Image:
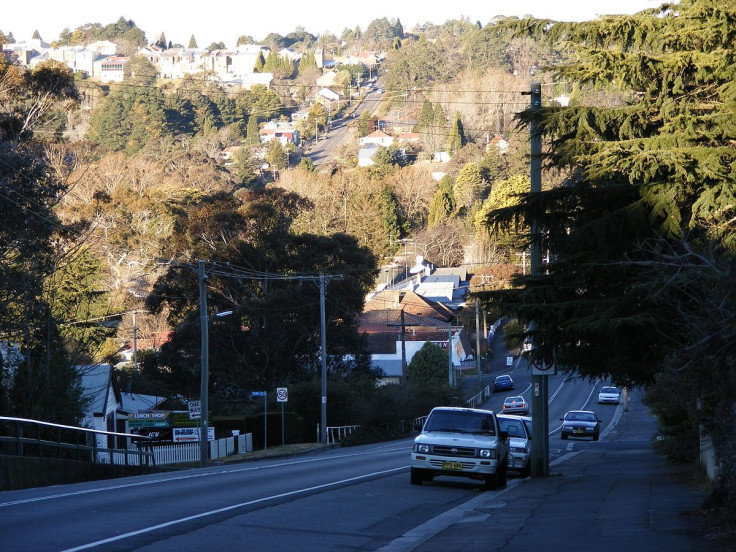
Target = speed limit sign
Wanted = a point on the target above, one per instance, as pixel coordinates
(282, 394)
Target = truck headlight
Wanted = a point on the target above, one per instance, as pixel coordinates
(424, 449)
(487, 453)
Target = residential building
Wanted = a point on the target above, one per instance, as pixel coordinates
(280, 130)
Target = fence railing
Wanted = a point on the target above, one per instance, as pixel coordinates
(480, 397)
(34, 438)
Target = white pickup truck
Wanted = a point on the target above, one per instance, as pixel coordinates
(464, 442)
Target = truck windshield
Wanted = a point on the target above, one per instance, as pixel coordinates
(460, 422)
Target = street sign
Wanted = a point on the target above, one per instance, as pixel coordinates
(536, 389)
(509, 360)
(257, 393)
(539, 368)
(282, 394)
(195, 410)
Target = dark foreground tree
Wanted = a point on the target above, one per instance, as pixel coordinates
(641, 236)
(269, 277)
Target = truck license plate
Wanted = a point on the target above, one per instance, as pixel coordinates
(452, 465)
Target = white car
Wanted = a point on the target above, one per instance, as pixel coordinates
(609, 395)
(465, 442)
(520, 446)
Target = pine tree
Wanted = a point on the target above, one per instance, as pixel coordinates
(192, 42)
(456, 139)
(252, 136)
(443, 204)
(641, 236)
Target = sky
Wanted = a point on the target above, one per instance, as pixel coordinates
(225, 21)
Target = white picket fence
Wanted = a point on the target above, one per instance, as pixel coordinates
(182, 453)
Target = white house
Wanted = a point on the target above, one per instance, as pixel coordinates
(377, 138)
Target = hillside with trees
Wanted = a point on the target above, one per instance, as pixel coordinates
(636, 212)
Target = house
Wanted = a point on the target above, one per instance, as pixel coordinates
(377, 138)
(227, 154)
(365, 155)
(327, 79)
(422, 320)
(279, 130)
(409, 138)
(110, 69)
(107, 407)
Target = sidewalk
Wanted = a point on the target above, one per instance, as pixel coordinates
(614, 495)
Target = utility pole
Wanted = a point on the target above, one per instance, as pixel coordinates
(403, 347)
(323, 281)
(135, 345)
(477, 341)
(204, 361)
(323, 354)
(451, 366)
(540, 407)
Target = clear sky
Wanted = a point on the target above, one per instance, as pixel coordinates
(225, 21)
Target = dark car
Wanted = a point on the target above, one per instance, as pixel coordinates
(503, 383)
(581, 423)
(515, 405)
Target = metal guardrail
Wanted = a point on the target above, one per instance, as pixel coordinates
(34, 438)
(480, 397)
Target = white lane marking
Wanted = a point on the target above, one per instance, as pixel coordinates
(393, 447)
(592, 390)
(228, 508)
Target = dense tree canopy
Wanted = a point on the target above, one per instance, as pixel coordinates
(641, 236)
(267, 275)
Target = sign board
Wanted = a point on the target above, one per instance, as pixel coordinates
(536, 389)
(509, 360)
(195, 410)
(539, 368)
(257, 393)
(190, 434)
(149, 419)
(282, 394)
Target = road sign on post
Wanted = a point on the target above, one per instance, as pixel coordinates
(195, 410)
(540, 368)
(282, 396)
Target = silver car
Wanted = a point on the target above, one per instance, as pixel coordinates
(520, 446)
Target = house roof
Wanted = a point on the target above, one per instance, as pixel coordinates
(135, 403)
(98, 386)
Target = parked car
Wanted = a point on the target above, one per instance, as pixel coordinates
(581, 423)
(464, 442)
(609, 395)
(520, 446)
(515, 405)
(503, 383)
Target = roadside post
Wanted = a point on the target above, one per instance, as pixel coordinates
(540, 406)
(265, 415)
(282, 396)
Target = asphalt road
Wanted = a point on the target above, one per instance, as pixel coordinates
(610, 492)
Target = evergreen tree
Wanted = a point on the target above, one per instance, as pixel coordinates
(443, 204)
(641, 235)
(389, 212)
(469, 186)
(252, 135)
(456, 139)
(428, 367)
(192, 42)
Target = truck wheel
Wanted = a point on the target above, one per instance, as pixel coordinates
(417, 476)
(502, 474)
(490, 483)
